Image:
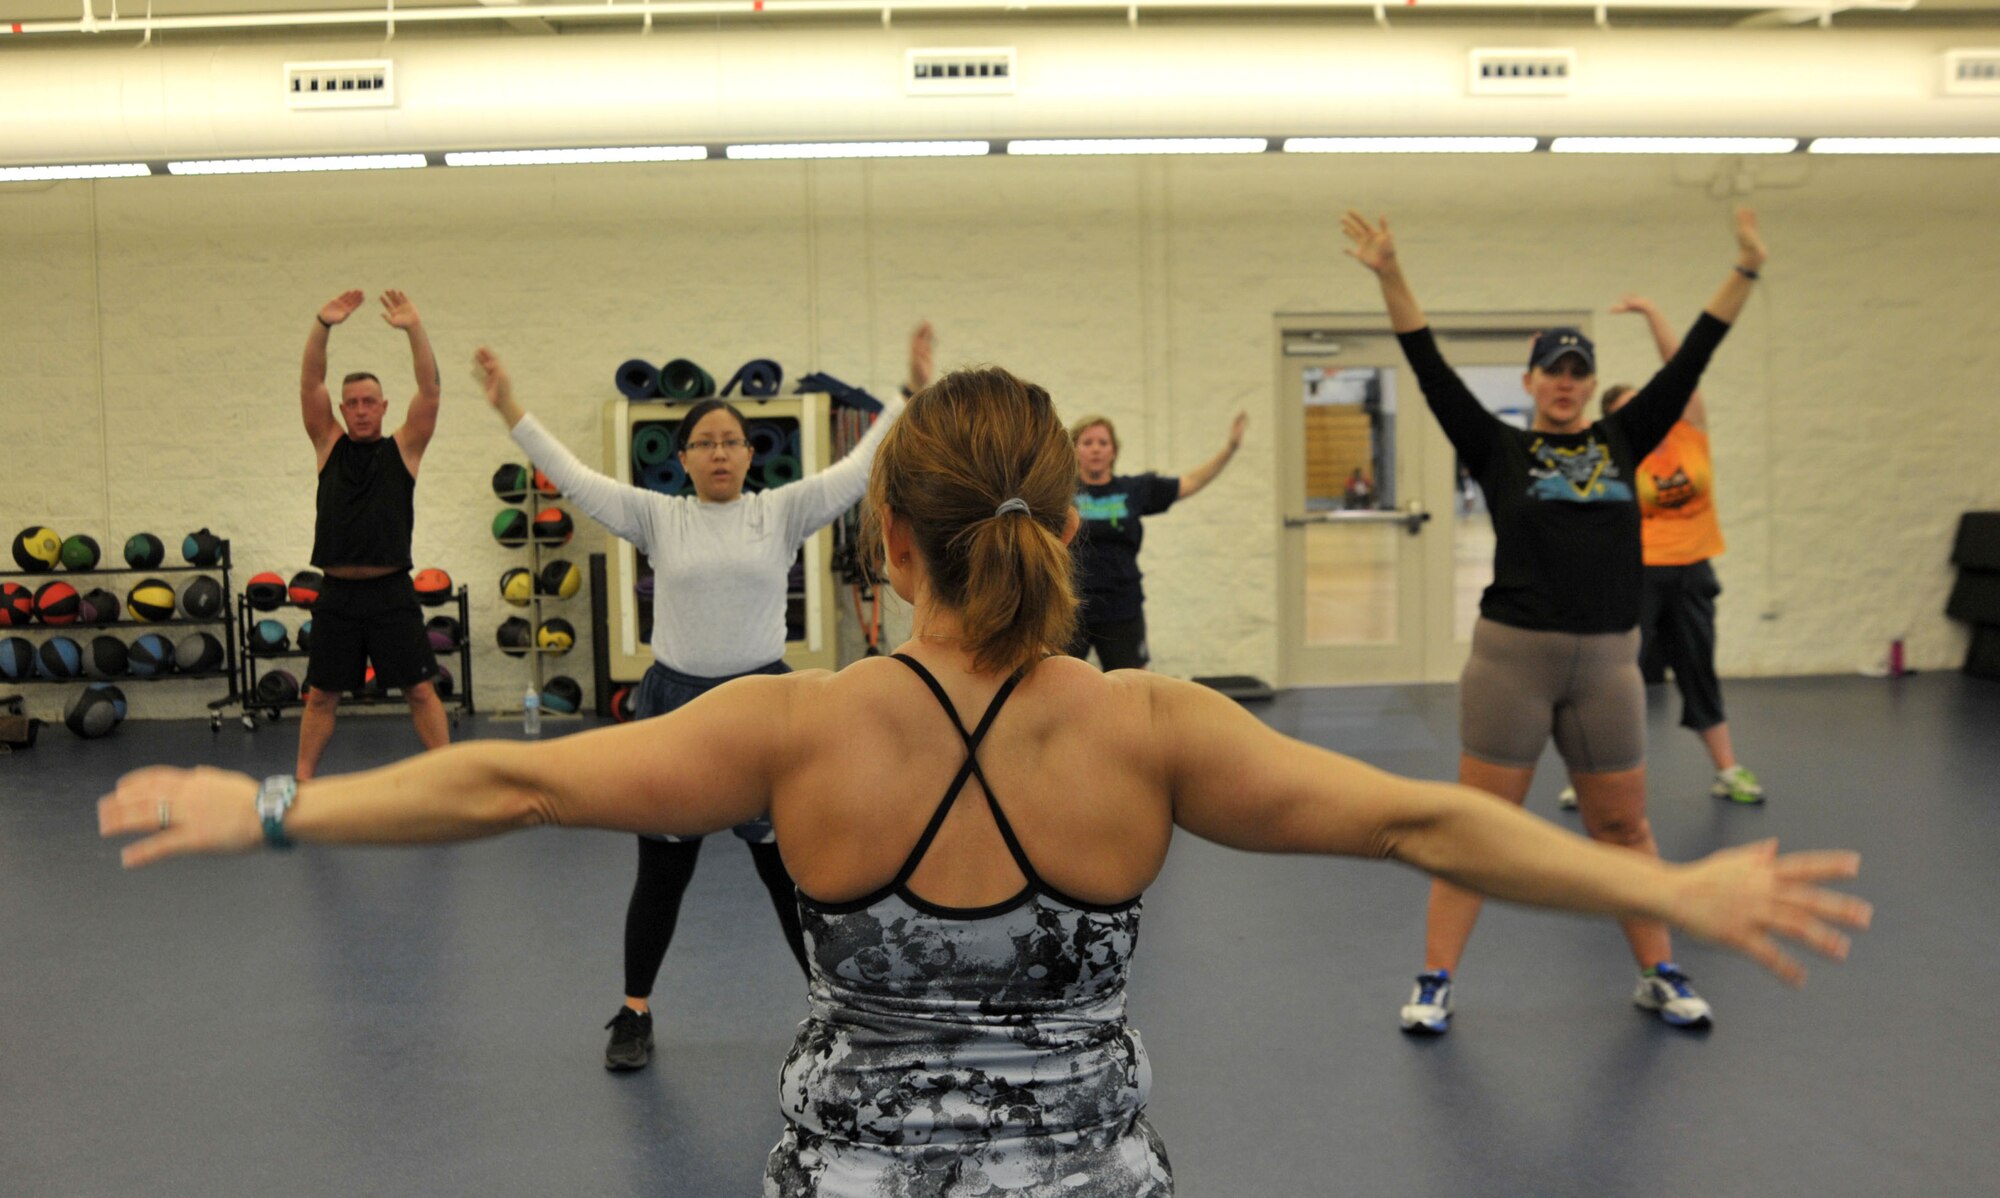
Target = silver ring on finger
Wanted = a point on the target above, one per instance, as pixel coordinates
(166, 815)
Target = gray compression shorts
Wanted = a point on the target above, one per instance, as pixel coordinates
(1521, 686)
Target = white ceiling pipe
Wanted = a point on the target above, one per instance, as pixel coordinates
(624, 10)
(105, 104)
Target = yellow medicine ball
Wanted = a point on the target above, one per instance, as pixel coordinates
(517, 586)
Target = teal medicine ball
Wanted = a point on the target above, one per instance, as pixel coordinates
(17, 658)
(201, 548)
(144, 551)
(269, 636)
(59, 657)
(150, 655)
(562, 695)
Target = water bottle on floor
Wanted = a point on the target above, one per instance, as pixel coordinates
(531, 712)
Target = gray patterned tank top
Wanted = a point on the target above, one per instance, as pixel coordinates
(967, 1051)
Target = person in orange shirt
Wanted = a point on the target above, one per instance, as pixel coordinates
(1676, 485)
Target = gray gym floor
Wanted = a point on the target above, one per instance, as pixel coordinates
(428, 1021)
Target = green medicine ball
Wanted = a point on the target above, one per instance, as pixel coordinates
(511, 482)
(37, 549)
(81, 553)
(144, 551)
(510, 527)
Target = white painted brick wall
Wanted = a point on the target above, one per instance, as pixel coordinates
(1854, 409)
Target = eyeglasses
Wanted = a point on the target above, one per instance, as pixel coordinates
(727, 444)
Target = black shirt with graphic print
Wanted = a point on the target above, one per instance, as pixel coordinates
(1106, 548)
(1567, 554)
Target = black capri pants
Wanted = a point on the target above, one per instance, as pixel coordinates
(1677, 630)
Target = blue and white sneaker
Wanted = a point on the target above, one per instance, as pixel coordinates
(1664, 990)
(1429, 1008)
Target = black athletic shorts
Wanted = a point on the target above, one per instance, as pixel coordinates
(362, 620)
(1120, 644)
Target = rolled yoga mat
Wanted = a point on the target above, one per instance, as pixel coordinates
(651, 445)
(765, 439)
(637, 379)
(682, 379)
(780, 469)
(760, 378)
(668, 478)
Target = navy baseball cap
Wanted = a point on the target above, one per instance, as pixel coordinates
(1555, 343)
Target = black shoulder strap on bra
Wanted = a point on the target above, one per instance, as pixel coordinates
(969, 770)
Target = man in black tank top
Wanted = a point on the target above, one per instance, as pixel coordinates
(367, 610)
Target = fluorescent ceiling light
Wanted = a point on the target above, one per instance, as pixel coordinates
(98, 170)
(1904, 145)
(1409, 145)
(547, 157)
(862, 149)
(1140, 145)
(265, 166)
(1674, 145)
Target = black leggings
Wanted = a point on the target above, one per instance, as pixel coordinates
(665, 867)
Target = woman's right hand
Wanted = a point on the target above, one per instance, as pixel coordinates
(181, 811)
(1744, 898)
(1371, 245)
(1632, 303)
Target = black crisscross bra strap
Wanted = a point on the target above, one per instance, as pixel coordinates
(965, 772)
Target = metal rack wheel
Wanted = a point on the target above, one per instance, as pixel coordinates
(250, 721)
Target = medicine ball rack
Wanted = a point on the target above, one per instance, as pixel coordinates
(226, 620)
(460, 700)
(538, 675)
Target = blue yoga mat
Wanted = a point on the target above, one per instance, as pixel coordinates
(637, 379)
(760, 378)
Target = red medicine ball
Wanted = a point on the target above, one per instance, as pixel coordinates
(57, 603)
(553, 527)
(17, 604)
(266, 591)
(433, 586)
(304, 591)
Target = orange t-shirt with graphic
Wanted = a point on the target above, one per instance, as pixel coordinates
(1677, 500)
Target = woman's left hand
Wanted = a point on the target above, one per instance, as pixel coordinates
(1236, 428)
(1752, 253)
(201, 810)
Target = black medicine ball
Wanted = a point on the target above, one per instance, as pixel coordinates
(17, 658)
(100, 606)
(511, 482)
(444, 633)
(278, 686)
(197, 653)
(80, 553)
(269, 636)
(443, 684)
(107, 657)
(562, 695)
(59, 657)
(17, 605)
(559, 579)
(202, 598)
(91, 714)
(144, 551)
(305, 587)
(201, 548)
(37, 549)
(515, 635)
(305, 636)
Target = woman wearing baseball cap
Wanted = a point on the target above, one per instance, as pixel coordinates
(1555, 651)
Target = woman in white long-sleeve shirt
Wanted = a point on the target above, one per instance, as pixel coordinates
(721, 560)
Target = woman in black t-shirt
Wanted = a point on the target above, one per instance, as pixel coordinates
(1112, 616)
(1555, 652)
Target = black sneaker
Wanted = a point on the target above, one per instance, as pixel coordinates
(631, 1040)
